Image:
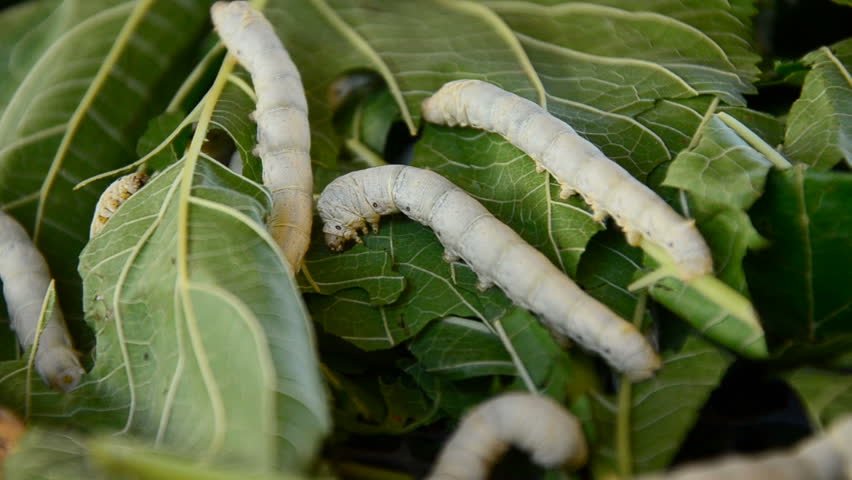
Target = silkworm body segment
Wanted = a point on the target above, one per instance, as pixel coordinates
(113, 197)
(497, 254)
(283, 132)
(534, 424)
(822, 457)
(577, 164)
(26, 278)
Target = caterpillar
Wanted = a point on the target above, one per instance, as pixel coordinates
(497, 254)
(577, 165)
(26, 279)
(535, 424)
(113, 197)
(823, 457)
(283, 132)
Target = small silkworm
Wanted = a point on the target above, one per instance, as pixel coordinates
(576, 164)
(283, 132)
(823, 457)
(26, 279)
(491, 249)
(535, 424)
(113, 197)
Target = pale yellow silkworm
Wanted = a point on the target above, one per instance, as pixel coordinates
(535, 424)
(491, 249)
(823, 457)
(283, 132)
(26, 278)
(577, 164)
(113, 197)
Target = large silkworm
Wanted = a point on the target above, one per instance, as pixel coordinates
(113, 197)
(283, 132)
(823, 457)
(491, 249)
(535, 424)
(577, 165)
(26, 279)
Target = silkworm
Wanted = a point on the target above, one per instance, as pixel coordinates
(25, 279)
(577, 164)
(113, 197)
(283, 132)
(823, 457)
(491, 249)
(535, 424)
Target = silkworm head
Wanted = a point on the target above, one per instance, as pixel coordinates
(336, 243)
(340, 223)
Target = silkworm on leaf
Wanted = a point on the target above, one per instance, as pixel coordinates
(822, 457)
(113, 197)
(577, 164)
(25, 279)
(283, 132)
(535, 424)
(491, 249)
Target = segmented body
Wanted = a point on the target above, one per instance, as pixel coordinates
(493, 251)
(25, 279)
(283, 132)
(823, 457)
(577, 164)
(534, 424)
(113, 197)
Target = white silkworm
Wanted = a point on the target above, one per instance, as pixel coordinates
(535, 424)
(491, 249)
(283, 132)
(113, 197)
(823, 457)
(25, 281)
(235, 163)
(577, 165)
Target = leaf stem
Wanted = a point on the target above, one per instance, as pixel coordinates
(354, 144)
(183, 280)
(624, 448)
(755, 141)
(363, 152)
(519, 365)
(725, 296)
(363, 46)
(711, 109)
(242, 85)
(193, 78)
(190, 117)
(49, 303)
(121, 41)
(308, 277)
(146, 465)
(710, 287)
(651, 278)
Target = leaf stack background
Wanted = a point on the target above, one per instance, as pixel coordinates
(248, 368)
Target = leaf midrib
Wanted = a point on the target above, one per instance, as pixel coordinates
(123, 39)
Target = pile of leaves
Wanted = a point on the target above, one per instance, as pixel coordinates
(206, 358)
